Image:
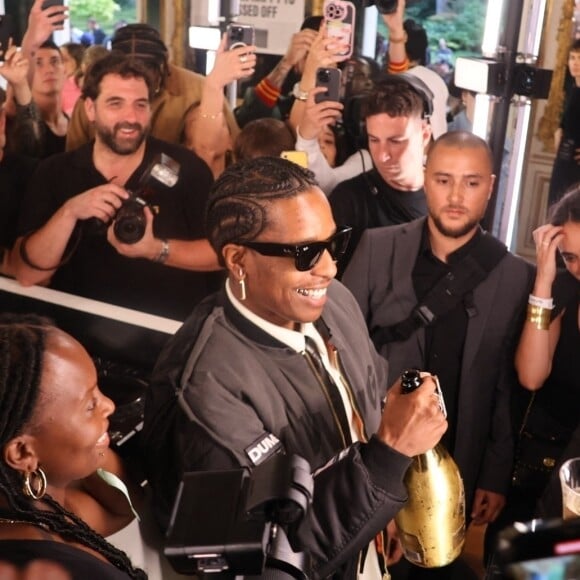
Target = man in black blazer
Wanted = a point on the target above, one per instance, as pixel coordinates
(467, 342)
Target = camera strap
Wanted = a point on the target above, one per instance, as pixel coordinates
(70, 250)
(449, 291)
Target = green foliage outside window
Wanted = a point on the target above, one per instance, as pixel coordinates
(106, 12)
(460, 23)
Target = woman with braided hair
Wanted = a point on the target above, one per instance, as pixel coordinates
(53, 437)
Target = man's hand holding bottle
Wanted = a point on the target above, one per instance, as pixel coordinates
(413, 423)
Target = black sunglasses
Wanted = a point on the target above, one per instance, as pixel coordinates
(307, 255)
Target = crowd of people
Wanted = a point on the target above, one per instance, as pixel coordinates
(303, 294)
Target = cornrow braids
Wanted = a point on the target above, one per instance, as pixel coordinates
(143, 42)
(22, 344)
(237, 208)
(23, 340)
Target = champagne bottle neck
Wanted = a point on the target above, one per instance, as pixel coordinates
(410, 381)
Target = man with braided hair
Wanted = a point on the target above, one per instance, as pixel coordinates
(45, 376)
(176, 90)
(236, 385)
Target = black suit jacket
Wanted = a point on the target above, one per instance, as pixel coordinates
(380, 277)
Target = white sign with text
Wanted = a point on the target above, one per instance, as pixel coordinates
(275, 21)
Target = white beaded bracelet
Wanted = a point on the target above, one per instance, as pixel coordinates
(541, 302)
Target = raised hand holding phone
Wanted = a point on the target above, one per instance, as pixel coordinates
(232, 64)
(239, 35)
(318, 114)
(240, 38)
(43, 20)
(49, 5)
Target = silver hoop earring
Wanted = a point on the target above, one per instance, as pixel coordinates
(35, 484)
(242, 283)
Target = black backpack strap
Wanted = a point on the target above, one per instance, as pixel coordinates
(464, 276)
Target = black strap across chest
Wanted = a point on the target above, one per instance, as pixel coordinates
(464, 276)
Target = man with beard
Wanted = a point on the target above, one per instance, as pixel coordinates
(440, 294)
(74, 196)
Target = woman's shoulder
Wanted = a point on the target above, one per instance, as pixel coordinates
(79, 563)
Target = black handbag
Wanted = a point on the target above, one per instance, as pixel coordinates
(540, 444)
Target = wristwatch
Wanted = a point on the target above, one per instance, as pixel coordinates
(298, 93)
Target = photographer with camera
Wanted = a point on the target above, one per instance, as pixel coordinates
(280, 361)
(74, 196)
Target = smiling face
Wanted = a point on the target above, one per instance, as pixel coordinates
(69, 426)
(276, 290)
(397, 145)
(458, 185)
(121, 113)
(569, 247)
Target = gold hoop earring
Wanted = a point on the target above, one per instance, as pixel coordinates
(242, 283)
(35, 484)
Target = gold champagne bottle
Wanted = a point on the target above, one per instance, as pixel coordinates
(432, 522)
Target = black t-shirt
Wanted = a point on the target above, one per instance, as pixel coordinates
(15, 172)
(78, 563)
(367, 201)
(94, 268)
(560, 393)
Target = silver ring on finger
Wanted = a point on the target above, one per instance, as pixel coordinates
(243, 58)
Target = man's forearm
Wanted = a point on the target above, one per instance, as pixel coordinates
(43, 250)
(279, 73)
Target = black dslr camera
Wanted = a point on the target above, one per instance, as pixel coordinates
(241, 522)
(130, 221)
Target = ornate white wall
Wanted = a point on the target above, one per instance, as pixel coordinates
(544, 120)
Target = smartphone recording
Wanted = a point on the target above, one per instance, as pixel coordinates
(239, 35)
(329, 78)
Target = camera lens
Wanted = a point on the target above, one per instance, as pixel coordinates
(130, 222)
(323, 76)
